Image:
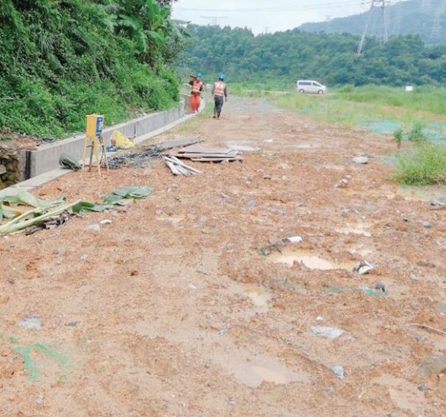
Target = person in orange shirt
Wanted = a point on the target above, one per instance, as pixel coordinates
(195, 95)
(220, 94)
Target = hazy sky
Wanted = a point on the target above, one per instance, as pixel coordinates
(266, 15)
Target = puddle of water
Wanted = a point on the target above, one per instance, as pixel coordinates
(309, 260)
(277, 376)
(166, 218)
(424, 193)
(262, 370)
(358, 229)
(306, 146)
(258, 297)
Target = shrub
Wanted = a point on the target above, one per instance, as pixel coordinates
(427, 165)
(416, 134)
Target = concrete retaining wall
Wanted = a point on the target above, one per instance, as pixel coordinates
(46, 157)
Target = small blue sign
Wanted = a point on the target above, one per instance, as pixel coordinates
(99, 125)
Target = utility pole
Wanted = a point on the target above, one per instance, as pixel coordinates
(214, 19)
(437, 24)
(374, 4)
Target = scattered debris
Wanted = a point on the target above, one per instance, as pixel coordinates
(343, 183)
(425, 326)
(338, 371)
(208, 154)
(29, 358)
(179, 168)
(380, 287)
(267, 250)
(426, 225)
(423, 387)
(47, 214)
(295, 239)
(48, 224)
(94, 228)
(438, 202)
(365, 290)
(68, 162)
(363, 268)
(330, 332)
(31, 322)
(120, 141)
(16, 209)
(432, 365)
(140, 158)
(224, 329)
(361, 160)
(244, 148)
(369, 291)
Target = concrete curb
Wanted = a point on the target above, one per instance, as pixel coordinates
(48, 155)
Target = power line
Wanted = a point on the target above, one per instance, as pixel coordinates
(214, 19)
(276, 9)
(373, 5)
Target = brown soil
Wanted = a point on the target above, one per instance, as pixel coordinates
(176, 308)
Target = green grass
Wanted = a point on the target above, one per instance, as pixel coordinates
(410, 112)
(427, 165)
(350, 105)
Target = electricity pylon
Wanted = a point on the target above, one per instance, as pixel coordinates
(214, 19)
(374, 4)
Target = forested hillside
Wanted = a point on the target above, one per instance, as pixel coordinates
(426, 18)
(63, 59)
(329, 58)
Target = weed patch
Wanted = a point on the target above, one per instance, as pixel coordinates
(427, 165)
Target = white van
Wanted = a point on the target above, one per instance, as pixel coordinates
(310, 86)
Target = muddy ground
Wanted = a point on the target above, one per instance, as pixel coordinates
(192, 302)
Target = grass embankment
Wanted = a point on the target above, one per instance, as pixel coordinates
(418, 117)
(63, 60)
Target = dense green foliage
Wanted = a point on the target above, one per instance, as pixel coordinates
(63, 59)
(413, 17)
(427, 165)
(330, 59)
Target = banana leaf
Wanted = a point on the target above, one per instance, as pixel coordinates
(25, 198)
(128, 192)
(86, 207)
(36, 216)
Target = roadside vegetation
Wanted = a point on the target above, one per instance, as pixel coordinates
(417, 118)
(64, 59)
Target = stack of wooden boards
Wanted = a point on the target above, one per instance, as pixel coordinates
(178, 168)
(199, 153)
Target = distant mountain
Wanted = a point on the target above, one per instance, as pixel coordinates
(426, 18)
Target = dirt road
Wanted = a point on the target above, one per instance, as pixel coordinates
(194, 303)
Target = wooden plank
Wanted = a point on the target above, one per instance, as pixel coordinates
(205, 155)
(205, 149)
(171, 167)
(216, 159)
(164, 146)
(178, 162)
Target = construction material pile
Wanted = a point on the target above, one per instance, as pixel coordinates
(141, 158)
(179, 168)
(199, 153)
